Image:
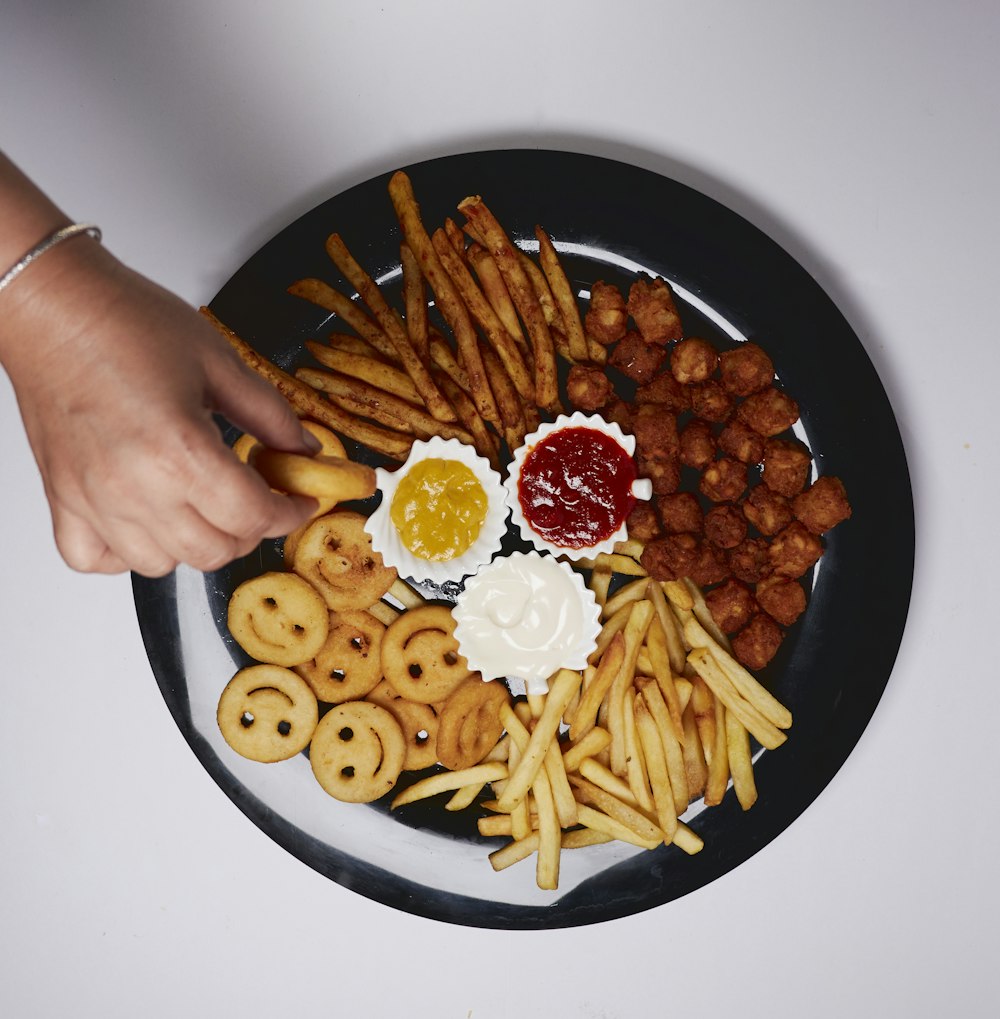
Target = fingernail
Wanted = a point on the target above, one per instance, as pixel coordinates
(311, 442)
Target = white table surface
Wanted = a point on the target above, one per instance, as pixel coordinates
(864, 137)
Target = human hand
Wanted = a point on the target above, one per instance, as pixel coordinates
(117, 381)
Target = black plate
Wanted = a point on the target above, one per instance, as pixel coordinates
(735, 283)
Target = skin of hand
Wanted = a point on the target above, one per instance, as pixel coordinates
(117, 381)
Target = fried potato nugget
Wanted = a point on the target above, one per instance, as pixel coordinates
(419, 722)
(278, 618)
(357, 752)
(335, 555)
(470, 724)
(349, 664)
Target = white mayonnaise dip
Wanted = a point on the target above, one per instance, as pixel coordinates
(526, 616)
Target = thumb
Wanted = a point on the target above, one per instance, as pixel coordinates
(257, 407)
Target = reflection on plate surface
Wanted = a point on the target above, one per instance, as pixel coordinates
(609, 221)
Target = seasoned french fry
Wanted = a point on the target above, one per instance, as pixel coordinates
(740, 763)
(358, 366)
(563, 293)
(508, 401)
(322, 294)
(306, 402)
(543, 292)
(443, 357)
(392, 326)
(502, 342)
(495, 290)
(448, 300)
(351, 344)
(363, 398)
(446, 781)
(522, 293)
(455, 235)
(414, 301)
(484, 441)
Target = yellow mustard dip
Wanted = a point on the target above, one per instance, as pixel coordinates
(438, 509)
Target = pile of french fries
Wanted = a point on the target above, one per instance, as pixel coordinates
(661, 717)
(486, 374)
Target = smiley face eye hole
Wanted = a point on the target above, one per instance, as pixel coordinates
(415, 671)
(358, 643)
(347, 772)
(422, 737)
(338, 675)
(284, 728)
(270, 603)
(246, 719)
(346, 734)
(297, 629)
(450, 657)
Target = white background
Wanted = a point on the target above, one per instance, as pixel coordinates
(863, 136)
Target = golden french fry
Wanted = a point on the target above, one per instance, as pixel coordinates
(446, 781)
(615, 624)
(561, 690)
(563, 293)
(503, 344)
(514, 852)
(383, 612)
(702, 706)
(405, 594)
(591, 795)
(678, 593)
(607, 780)
(414, 301)
(633, 591)
(747, 686)
(522, 293)
(494, 824)
(447, 297)
(585, 716)
(740, 763)
(600, 581)
(718, 770)
(695, 767)
(656, 765)
(635, 761)
(597, 740)
(520, 815)
(562, 794)
(672, 751)
(598, 821)
(391, 325)
(306, 402)
(672, 634)
(659, 659)
(464, 797)
(635, 634)
(622, 564)
(579, 838)
(358, 366)
(766, 734)
(686, 839)
(704, 615)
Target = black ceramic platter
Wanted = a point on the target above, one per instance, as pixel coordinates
(609, 221)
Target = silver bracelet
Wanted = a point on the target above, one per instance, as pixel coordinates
(51, 241)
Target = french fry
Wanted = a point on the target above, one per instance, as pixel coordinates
(448, 299)
(630, 547)
(686, 839)
(446, 781)
(495, 291)
(543, 292)
(740, 763)
(633, 591)
(695, 767)
(506, 396)
(563, 294)
(464, 797)
(358, 366)
(392, 326)
(672, 751)
(607, 780)
(405, 594)
(656, 765)
(704, 616)
(351, 344)
(514, 852)
(364, 398)
(663, 674)
(442, 356)
(414, 301)
(560, 692)
(611, 626)
(635, 634)
(678, 594)
(494, 824)
(523, 295)
(482, 311)
(600, 581)
(307, 403)
(598, 821)
(702, 705)
(587, 746)
(317, 292)
(747, 686)
(593, 796)
(619, 564)
(483, 439)
(718, 769)
(455, 235)
(672, 635)
(520, 815)
(635, 762)
(766, 734)
(579, 838)
(383, 612)
(585, 716)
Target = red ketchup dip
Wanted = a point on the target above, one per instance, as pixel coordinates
(575, 487)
